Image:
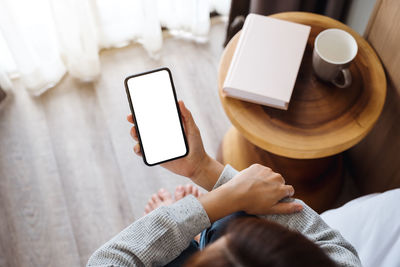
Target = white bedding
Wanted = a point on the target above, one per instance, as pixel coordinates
(372, 224)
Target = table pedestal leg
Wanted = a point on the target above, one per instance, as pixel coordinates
(316, 181)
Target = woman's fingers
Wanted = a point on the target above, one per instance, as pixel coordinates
(130, 118)
(183, 109)
(285, 208)
(134, 133)
(286, 191)
(137, 150)
(280, 178)
(187, 118)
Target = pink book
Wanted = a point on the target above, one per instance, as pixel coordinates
(266, 61)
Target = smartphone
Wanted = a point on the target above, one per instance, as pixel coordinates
(156, 114)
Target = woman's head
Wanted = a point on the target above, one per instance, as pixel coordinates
(252, 242)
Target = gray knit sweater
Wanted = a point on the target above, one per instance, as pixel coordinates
(160, 236)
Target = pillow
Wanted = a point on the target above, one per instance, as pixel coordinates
(372, 225)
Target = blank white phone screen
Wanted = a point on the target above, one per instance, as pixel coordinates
(157, 116)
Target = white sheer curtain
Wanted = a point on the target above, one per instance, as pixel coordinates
(41, 40)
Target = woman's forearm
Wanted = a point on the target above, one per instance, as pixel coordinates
(154, 239)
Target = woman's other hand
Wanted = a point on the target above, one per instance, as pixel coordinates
(197, 165)
(258, 190)
(255, 190)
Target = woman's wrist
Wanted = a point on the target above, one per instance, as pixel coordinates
(219, 203)
(207, 172)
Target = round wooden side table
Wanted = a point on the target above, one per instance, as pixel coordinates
(305, 142)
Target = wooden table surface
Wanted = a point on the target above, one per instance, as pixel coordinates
(322, 120)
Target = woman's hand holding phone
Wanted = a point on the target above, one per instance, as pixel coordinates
(197, 165)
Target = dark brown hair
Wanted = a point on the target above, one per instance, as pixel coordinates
(254, 242)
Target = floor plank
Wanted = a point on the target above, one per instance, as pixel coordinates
(35, 225)
(90, 176)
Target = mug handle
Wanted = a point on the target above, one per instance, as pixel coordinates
(347, 79)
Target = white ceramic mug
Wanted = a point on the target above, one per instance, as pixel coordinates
(334, 49)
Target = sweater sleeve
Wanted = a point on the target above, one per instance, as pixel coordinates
(311, 225)
(155, 239)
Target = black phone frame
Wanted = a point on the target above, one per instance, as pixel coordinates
(134, 117)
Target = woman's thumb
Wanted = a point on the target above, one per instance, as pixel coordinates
(187, 116)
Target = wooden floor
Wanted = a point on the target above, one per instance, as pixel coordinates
(69, 180)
